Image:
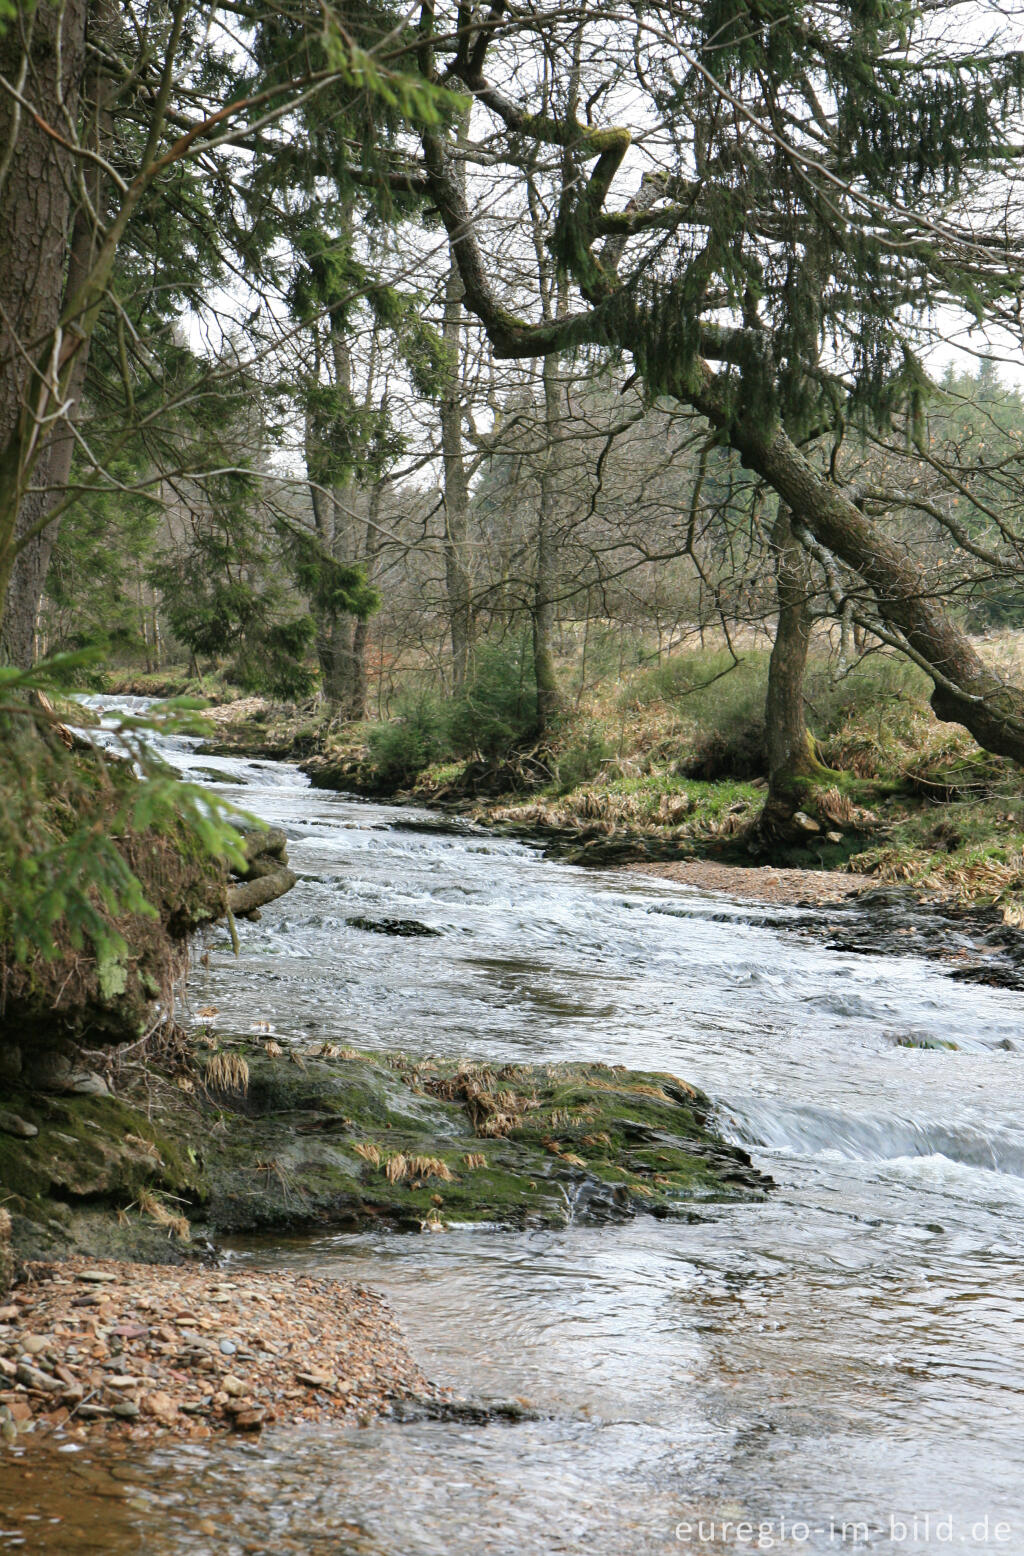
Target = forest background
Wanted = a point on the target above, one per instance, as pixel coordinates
(608, 412)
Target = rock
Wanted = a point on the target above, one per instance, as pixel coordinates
(259, 842)
(10, 1062)
(805, 823)
(227, 1347)
(249, 1420)
(6, 1264)
(48, 1070)
(315, 1380)
(35, 1343)
(11, 1124)
(97, 1277)
(833, 837)
(404, 928)
(88, 1084)
(33, 1378)
(161, 1406)
(126, 1411)
(233, 1386)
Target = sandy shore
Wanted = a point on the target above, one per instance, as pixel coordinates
(144, 1350)
(759, 883)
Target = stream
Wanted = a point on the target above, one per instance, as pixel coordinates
(840, 1368)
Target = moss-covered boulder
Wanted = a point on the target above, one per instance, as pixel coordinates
(351, 1139)
(97, 1175)
(253, 1137)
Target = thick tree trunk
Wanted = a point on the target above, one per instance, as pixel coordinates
(31, 565)
(335, 648)
(966, 691)
(456, 480)
(789, 746)
(43, 50)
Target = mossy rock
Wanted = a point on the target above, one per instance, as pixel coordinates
(83, 1182)
(291, 1141)
(362, 1139)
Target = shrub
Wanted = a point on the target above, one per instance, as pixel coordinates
(582, 759)
(416, 736)
(498, 706)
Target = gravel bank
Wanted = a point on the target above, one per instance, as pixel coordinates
(760, 883)
(143, 1350)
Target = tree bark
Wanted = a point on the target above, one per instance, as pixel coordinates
(456, 486)
(542, 610)
(789, 746)
(32, 562)
(43, 50)
(966, 691)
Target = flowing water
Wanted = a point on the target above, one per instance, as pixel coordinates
(838, 1369)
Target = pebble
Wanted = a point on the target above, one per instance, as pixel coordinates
(96, 1276)
(88, 1084)
(11, 1124)
(228, 1347)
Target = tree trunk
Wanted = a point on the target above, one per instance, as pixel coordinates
(966, 691)
(456, 481)
(335, 651)
(42, 49)
(542, 611)
(32, 563)
(789, 746)
(456, 486)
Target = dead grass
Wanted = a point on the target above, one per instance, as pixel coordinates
(227, 1072)
(493, 1110)
(152, 1205)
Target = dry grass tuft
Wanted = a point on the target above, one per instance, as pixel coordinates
(474, 1159)
(369, 1153)
(836, 807)
(493, 1110)
(157, 1211)
(227, 1072)
(431, 1167)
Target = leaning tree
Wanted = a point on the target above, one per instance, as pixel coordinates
(802, 198)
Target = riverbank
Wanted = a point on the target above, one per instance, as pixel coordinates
(758, 883)
(919, 806)
(219, 1135)
(144, 1352)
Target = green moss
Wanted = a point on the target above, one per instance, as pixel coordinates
(312, 1145)
(77, 1182)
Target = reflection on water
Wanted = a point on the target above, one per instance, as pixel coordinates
(828, 1367)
